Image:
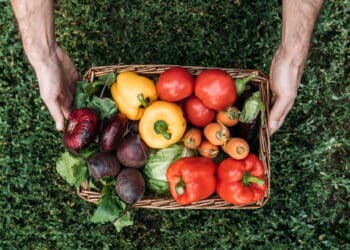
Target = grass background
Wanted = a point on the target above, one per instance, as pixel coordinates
(310, 197)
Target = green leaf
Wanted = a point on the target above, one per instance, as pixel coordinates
(106, 107)
(91, 89)
(109, 207)
(92, 184)
(107, 79)
(72, 169)
(81, 99)
(123, 221)
(89, 150)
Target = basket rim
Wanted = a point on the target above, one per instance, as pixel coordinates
(213, 202)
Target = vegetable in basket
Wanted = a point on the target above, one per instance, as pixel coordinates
(162, 124)
(103, 164)
(81, 128)
(113, 132)
(228, 117)
(191, 179)
(241, 83)
(216, 89)
(241, 182)
(132, 93)
(248, 125)
(132, 151)
(158, 163)
(197, 113)
(175, 84)
(130, 185)
(236, 147)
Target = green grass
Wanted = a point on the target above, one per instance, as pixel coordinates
(309, 206)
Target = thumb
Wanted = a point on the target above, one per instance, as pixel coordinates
(278, 113)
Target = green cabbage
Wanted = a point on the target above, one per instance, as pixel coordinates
(158, 163)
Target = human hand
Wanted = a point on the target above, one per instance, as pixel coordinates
(285, 76)
(57, 77)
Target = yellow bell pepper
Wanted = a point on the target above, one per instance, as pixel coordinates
(132, 93)
(162, 124)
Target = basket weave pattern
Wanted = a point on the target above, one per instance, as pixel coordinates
(213, 202)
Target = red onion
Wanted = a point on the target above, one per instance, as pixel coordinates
(81, 128)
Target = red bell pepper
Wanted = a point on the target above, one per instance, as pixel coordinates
(241, 182)
(191, 179)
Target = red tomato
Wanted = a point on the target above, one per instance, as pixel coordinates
(216, 89)
(196, 113)
(175, 84)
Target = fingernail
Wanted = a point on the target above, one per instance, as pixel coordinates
(59, 127)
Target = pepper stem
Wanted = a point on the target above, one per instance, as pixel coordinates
(180, 187)
(144, 101)
(161, 127)
(248, 179)
(242, 82)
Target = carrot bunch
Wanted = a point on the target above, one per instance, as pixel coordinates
(216, 136)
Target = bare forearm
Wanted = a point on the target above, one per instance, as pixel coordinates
(299, 18)
(36, 24)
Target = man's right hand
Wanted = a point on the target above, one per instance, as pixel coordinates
(57, 77)
(55, 71)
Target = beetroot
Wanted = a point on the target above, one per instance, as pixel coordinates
(113, 132)
(130, 185)
(133, 151)
(103, 164)
(81, 128)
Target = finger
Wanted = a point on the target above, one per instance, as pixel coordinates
(66, 105)
(281, 121)
(66, 110)
(278, 113)
(56, 113)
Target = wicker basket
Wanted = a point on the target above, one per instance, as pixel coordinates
(213, 202)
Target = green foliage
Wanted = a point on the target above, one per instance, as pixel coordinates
(105, 107)
(310, 193)
(82, 91)
(109, 206)
(72, 169)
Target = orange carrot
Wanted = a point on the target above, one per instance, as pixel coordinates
(192, 138)
(229, 117)
(216, 133)
(237, 148)
(207, 149)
